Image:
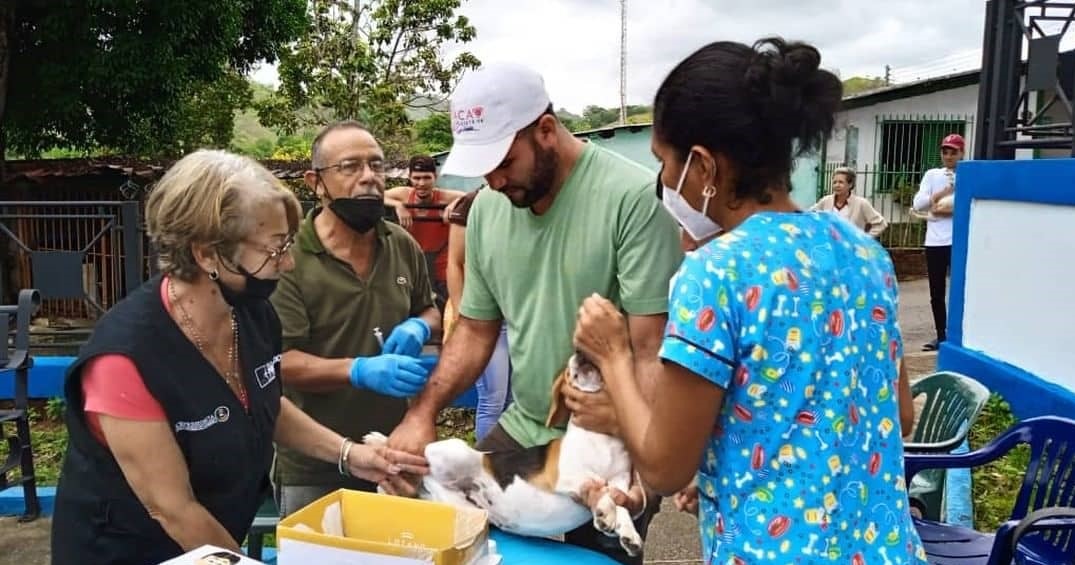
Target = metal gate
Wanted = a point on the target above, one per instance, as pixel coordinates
(83, 256)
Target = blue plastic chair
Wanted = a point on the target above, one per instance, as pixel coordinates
(1042, 525)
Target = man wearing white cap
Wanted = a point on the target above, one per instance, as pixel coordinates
(570, 219)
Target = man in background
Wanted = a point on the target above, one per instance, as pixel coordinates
(937, 184)
(428, 225)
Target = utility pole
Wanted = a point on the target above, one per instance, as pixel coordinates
(623, 62)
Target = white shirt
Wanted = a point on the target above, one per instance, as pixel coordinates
(938, 230)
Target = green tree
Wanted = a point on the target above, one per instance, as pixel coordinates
(857, 85)
(433, 134)
(83, 74)
(207, 115)
(370, 61)
(599, 117)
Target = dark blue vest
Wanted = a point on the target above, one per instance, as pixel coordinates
(98, 518)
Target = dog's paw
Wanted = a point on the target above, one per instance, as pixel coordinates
(631, 543)
(604, 515)
(625, 527)
(374, 439)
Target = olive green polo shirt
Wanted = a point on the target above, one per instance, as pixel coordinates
(326, 310)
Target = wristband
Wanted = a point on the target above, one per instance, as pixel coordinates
(345, 450)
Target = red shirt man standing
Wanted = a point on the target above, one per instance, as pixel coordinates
(428, 225)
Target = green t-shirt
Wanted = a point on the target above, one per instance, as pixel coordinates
(606, 232)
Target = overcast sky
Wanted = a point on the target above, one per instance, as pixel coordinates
(575, 44)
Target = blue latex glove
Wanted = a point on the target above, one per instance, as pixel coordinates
(429, 361)
(408, 337)
(389, 374)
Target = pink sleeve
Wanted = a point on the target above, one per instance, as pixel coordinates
(112, 385)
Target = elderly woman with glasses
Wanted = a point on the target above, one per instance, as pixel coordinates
(174, 404)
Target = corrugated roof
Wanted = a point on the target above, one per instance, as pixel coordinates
(146, 170)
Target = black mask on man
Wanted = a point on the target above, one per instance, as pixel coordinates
(360, 214)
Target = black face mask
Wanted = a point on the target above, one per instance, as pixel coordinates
(360, 214)
(256, 290)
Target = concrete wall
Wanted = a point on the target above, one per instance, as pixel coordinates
(1009, 306)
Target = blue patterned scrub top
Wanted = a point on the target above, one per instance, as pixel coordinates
(794, 315)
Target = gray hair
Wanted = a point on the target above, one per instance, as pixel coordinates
(847, 172)
(316, 160)
(207, 197)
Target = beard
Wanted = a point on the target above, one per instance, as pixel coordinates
(541, 179)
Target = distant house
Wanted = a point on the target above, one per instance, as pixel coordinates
(891, 136)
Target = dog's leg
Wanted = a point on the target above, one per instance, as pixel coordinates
(604, 513)
(630, 540)
(625, 528)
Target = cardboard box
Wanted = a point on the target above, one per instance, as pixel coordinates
(212, 555)
(357, 527)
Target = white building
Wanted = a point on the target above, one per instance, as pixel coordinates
(892, 135)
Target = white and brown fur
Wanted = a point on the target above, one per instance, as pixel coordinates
(537, 491)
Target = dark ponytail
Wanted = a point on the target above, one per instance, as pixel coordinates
(759, 106)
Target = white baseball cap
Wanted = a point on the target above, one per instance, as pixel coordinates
(489, 106)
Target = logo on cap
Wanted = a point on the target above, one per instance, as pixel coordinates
(953, 140)
(467, 119)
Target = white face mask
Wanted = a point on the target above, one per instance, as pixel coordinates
(695, 223)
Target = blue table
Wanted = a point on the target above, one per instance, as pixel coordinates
(520, 550)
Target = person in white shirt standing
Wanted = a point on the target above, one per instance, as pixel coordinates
(936, 185)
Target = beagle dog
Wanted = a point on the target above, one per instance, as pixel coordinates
(537, 491)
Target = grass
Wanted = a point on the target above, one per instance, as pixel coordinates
(48, 436)
(996, 485)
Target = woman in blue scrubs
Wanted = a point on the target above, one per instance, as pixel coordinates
(781, 367)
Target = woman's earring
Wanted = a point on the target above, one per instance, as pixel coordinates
(709, 191)
(214, 275)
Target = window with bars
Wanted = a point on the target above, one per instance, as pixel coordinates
(908, 147)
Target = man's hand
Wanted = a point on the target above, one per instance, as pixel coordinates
(447, 212)
(403, 484)
(634, 500)
(687, 500)
(406, 218)
(942, 193)
(592, 411)
(408, 337)
(412, 435)
(389, 374)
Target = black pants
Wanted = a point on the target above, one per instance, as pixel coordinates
(938, 263)
(585, 535)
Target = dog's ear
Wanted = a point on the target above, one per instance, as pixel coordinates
(558, 412)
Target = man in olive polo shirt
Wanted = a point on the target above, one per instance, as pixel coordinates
(358, 280)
